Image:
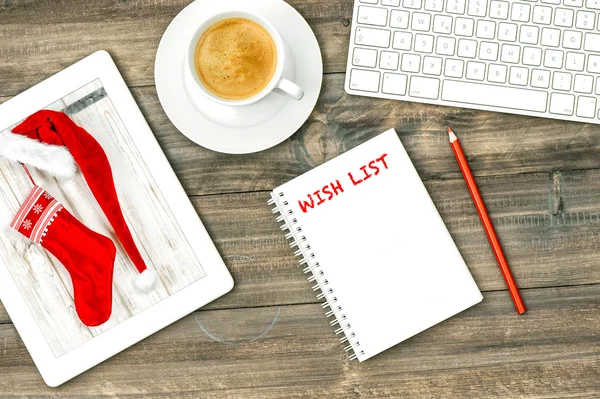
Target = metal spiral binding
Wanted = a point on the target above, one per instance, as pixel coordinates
(316, 274)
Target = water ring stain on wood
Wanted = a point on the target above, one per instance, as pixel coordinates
(241, 341)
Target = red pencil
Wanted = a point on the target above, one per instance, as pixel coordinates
(487, 223)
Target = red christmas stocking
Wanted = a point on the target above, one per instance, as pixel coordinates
(89, 257)
(57, 129)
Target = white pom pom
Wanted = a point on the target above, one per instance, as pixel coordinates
(56, 160)
(147, 280)
(5, 219)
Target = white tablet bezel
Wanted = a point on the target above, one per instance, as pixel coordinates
(217, 281)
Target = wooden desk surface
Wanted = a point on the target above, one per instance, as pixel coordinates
(269, 337)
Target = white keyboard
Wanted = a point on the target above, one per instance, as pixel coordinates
(539, 58)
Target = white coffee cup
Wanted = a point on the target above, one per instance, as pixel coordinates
(277, 81)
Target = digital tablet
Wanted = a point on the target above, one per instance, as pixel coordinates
(36, 289)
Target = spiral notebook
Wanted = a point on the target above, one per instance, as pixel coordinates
(375, 246)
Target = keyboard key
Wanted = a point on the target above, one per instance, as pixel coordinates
(394, 83)
(369, 1)
(364, 80)
(583, 84)
(553, 59)
(475, 70)
(494, 96)
(575, 61)
(507, 32)
(598, 85)
(372, 15)
(432, 65)
(586, 107)
(499, 9)
(529, 34)
(455, 6)
(542, 15)
(510, 53)
(497, 73)
(540, 78)
(573, 3)
(464, 27)
(551, 1)
(372, 37)
(572, 39)
(445, 45)
(563, 17)
(454, 68)
(364, 57)
(486, 29)
(423, 43)
(550, 37)
(520, 12)
(532, 56)
(478, 8)
(488, 51)
(434, 5)
(562, 104)
(424, 87)
(393, 3)
(389, 60)
(592, 42)
(402, 41)
(414, 4)
(593, 65)
(467, 48)
(410, 62)
(585, 20)
(399, 19)
(442, 24)
(518, 76)
(421, 22)
(561, 81)
(593, 4)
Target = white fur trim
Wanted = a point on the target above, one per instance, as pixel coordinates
(54, 159)
(5, 219)
(146, 281)
(22, 243)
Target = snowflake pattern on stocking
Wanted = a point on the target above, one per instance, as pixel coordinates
(26, 224)
(38, 208)
(46, 195)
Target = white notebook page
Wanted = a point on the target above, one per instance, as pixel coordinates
(381, 244)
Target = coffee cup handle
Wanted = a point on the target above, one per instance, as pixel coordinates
(290, 88)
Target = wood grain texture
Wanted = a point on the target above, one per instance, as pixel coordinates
(549, 240)
(268, 338)
(46, 36)
(291, 352)
(496, 144)
(546, 246)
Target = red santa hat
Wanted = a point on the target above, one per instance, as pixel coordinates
(51, 141)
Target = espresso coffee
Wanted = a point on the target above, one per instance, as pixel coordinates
(235, 58)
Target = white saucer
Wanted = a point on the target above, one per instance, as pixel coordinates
(238, 130)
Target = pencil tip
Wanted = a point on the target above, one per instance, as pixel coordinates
(452, 136)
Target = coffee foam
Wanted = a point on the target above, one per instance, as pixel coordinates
(235, 58)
